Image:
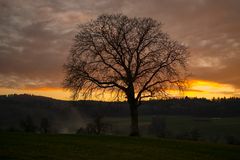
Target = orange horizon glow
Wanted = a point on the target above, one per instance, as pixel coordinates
(207, 89)
(196, 88)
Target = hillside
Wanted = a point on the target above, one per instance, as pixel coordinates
(68, 116)
(217, 107)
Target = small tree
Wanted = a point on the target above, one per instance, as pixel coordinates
(130, 57)
(44, 125)
(97, 126)
(28, 125)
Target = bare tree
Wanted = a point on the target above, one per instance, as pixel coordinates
(28, 124)
(127, 56)
(44, 125)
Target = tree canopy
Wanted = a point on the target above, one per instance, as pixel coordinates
(114, 52)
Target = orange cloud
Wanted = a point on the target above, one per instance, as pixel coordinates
(45, 89)
(57, 93)
(209, 89)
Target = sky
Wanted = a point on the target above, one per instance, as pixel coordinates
(36, 36)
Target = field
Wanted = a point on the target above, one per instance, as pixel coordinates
(20, 146)
(209, 128)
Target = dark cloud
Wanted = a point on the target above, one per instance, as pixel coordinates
(209, 27)
(35, 36)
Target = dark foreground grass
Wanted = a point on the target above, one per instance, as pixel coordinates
(19, 146)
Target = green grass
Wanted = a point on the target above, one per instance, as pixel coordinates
(20, 146)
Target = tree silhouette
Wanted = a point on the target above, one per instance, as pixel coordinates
(28, 125)
(44, 125)
(129, 56)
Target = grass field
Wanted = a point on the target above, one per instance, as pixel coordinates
(20, 146)
(208, 127)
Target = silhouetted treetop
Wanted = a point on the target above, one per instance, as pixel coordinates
(115, 51)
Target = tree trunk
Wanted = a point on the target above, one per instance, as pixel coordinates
(133, 110)
(134, 120)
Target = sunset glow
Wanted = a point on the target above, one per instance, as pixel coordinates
(196, 88)
(209, 89)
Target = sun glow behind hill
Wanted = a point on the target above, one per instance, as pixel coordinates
(207, 89)
(57, 93)
(196, 88)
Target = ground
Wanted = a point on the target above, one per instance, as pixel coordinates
(19, 146)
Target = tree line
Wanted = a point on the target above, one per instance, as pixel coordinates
(15, 105)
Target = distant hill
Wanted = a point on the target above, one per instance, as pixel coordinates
(66, 116)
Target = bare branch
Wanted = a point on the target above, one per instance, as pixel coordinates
(130, 56)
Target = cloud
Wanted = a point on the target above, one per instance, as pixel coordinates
(35, 36)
